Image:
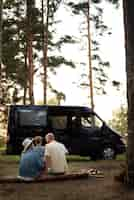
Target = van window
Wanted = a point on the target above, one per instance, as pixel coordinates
(87, 122)
(76, 121)
(59, 122)
(32, 117)
(98, 122)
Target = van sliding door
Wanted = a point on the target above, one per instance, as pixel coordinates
(59, 127)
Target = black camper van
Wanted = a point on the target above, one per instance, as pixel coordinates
(72, 125)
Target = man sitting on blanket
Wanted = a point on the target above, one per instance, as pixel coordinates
(55, 156)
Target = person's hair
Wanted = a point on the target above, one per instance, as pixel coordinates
(50, 137)
(38, 140)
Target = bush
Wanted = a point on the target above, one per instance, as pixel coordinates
(2, 142)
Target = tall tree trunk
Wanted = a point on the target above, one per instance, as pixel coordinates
(30, 5)
(45, 49)
(128, 6)
(90, 62)
(1, 9)
(26, 80)
(30, 64)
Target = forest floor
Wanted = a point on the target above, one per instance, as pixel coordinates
(105, 188)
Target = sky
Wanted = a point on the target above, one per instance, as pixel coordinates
(112, 49)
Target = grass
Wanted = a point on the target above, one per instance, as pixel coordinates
(77, 158)
(17, 157)
(9, 158)
(70, 158)
(2, 148)
(121, 157)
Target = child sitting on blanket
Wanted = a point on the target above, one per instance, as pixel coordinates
(31, 161)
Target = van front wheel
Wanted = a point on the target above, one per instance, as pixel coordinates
(108, 153)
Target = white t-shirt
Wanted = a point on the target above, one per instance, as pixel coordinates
(57, 153)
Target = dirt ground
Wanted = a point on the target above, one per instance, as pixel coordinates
(87, 189)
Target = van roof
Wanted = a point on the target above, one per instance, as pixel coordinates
(66, 108)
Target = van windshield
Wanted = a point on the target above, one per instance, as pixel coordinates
(32, 117)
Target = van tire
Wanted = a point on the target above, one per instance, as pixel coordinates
(9, 149)
(94, 157)
(108, 153)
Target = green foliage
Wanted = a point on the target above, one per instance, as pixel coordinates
(2, 142)
(52, 101)
(119, 120)
(59, 60)
(14, 46)
(3, 116)
(116, 84)
(15, 42)
(53, 7)
(113, 1)
(67, 39)
(79, 7)
(59, 96)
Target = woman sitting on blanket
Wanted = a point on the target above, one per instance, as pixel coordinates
(32, 159)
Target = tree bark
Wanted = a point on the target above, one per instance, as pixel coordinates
(1, 8)
(90, 63)
(45, 49)
(30, 64)
(128, 6)
(30, 5)
(26, 80)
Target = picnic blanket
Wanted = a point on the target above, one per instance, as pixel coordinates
(83, 174)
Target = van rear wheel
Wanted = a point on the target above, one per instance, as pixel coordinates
(9, 149)
(108, 153)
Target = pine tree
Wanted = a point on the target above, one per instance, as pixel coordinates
(15, 38)
(98, 65)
